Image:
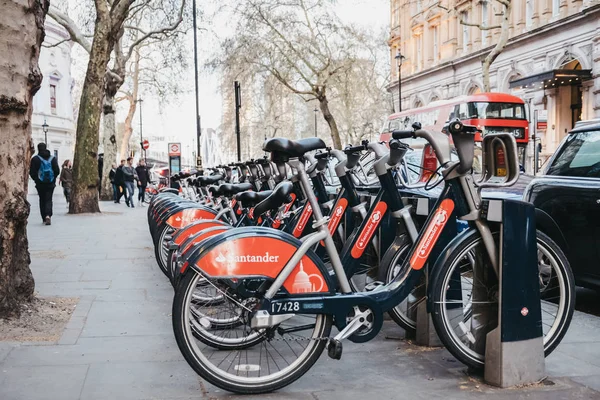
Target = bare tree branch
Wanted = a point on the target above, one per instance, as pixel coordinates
(71, 27)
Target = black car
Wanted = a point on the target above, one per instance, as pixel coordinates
(569, 192)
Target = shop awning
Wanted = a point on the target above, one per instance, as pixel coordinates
(554, 78)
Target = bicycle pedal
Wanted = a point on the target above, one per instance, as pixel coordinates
(334, 349)
(371, 286)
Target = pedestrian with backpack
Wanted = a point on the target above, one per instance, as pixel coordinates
(44, 170)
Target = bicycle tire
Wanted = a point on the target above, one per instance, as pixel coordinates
(200, 363)
(439, 283)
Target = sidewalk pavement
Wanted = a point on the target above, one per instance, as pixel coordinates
(119, 342)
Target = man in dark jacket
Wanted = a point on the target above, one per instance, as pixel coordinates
(111, 176)
(120, 182)
(44, 170)
(130, 176)
(143, 178)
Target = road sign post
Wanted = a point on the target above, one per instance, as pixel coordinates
(174, 158)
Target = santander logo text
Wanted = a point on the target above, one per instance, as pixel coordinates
(369, 229)
(304, 217)
(247, 258)
(432, 233)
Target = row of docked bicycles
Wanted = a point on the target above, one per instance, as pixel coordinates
(267, 257)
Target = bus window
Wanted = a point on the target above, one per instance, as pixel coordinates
(483, 110)
(462, 111)
(394, 125)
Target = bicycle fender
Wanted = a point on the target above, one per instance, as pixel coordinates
(194, 228)
(260, 252)
(187, 216)
(444, 257)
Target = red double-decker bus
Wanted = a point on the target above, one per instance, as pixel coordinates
(490, 112)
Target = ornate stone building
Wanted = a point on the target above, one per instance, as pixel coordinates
(552, 59)
(53, 103)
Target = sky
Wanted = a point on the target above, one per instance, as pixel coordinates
(176, 117)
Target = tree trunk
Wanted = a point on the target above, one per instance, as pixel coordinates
(85, 164)
(132, 107)
(109, 143)
(502, 41)
(335, 134)
(21, 35)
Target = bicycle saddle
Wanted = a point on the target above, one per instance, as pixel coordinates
(292, 148)
(280, 195)
(251, 199)
(228, 189)
(209, 180)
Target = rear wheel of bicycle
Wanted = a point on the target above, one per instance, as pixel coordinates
(454, 286)
(286, 352)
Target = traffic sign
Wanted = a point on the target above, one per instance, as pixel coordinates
(145, 144)
(199, 162)
(174, 149)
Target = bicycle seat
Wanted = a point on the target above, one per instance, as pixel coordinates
(251, 199)
(209, 180)
(293, 148)
(280, 195)
(228, 189)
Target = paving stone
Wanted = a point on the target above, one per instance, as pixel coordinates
(42, 382)
(158, 348)
(122, 295)
(562, 364)
(141, 380)
(127, 318)
(54, 277)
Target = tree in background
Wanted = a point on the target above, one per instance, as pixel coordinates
(503, 14)
(120, 27)
(21, 36)
(301, 43)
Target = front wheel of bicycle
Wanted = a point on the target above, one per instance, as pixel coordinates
(464, 295)
(286, 352)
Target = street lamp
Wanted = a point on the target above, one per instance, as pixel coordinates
(316, 110)
(45, 129)
(140, 101)
(399, 58)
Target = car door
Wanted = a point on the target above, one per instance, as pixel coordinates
(574, 200)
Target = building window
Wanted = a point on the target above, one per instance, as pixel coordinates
(53, 99)
(436, 50)
(484, 22)
(56, 155)
(464, 16)
(419, 51)
(555, 8)
(529, 13)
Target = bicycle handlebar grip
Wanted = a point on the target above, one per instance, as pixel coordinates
(397, 152)
(403, 134)
(320, 156)
(354, 149)
(455, 127)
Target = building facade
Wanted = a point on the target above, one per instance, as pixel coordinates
(552, 59)
(53, 103)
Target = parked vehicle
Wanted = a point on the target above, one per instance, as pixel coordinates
(490, 112)
(569, 192)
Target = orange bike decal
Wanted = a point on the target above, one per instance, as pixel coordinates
(336, 216)
(304, 217)
(277, 222)
(193, 229)
(262, 257)
(233, 202)
(432, 233)
(367, 233)
(186, 217)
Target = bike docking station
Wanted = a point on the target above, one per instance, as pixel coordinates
(514, 349)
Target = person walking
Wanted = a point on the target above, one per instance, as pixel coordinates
(143, 179)
(111, 176)
(66, 179)
(120, 183)
(44, 170)
(130, 176)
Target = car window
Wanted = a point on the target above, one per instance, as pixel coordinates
(579, 156)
